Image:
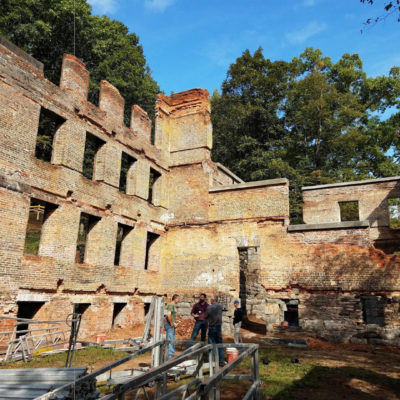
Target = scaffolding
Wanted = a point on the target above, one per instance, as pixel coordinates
(206, 377)
(33, 337)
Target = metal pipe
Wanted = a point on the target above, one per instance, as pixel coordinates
(217, 377)
(148, 376)
(180, 389)
(51, 395)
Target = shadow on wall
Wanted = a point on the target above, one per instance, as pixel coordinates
(340, 383)
(376, 216)
(350, 268)
(389, 239)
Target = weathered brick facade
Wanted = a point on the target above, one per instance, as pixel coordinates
(203, 229)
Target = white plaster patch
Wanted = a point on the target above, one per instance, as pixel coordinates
(209, 278)
(167, 217)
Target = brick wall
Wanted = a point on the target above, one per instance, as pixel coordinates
(214, 229)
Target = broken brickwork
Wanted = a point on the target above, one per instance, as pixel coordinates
(171, 220)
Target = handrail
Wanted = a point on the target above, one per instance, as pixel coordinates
(218, 376)
(51, 395)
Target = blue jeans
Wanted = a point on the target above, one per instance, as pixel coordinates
(170, 336)
(200, 326)
(215, 337)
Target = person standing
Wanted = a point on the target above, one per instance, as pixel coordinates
(199, 314)
(170, 323)
(214, 318)
(237, 322)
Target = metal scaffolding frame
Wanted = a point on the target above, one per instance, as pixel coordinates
(23, 344)
(206, 381)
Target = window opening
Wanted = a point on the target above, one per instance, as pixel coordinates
(92, 146)
(373, 308)
(151, 239)
(126, 163)
(80, 308)
(154, 176)
(122, 232)
(86, 224)
(39, 211)
(118, 307)
(146, 308)
(49, 122)
(291, 315)
(28, 310)
(394, 213)
(349, 211)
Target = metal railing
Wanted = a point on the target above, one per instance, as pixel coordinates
(207, 377)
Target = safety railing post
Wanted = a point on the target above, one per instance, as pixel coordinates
(256, 374)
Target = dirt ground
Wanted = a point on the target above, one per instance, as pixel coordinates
(324, 371)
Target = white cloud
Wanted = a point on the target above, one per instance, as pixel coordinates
(302, 35)
(103, 6)
(158, 5)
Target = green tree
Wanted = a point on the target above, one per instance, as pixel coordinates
(45, 29)
(310, 120)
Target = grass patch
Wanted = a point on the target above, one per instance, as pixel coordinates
(89, 357)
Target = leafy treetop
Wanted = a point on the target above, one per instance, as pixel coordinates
(45, 29)
(311, 120)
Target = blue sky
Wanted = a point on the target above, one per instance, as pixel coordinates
(189, 43)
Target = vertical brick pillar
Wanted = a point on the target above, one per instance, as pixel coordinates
(111, 101)
(107, 164)
(140, 122)
(142, 179)
(101, 241)
(131, 178)
(60, 232)
(127, 257)
(139, 246)
(154, 262)
(74, 77)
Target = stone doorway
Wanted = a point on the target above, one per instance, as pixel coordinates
(251, 292)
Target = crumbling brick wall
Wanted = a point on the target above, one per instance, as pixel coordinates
(321, 205)
(205, 217)
(23, 94)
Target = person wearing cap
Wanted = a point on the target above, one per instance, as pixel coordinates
(237, 322)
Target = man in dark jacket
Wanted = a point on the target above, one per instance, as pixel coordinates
(214, 318)
(199, 314)
(237, 322)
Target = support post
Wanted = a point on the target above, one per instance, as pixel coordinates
(158, 315)
(256, 374)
